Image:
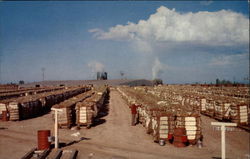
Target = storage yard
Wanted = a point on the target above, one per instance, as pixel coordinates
(124, 80)
(174, 121)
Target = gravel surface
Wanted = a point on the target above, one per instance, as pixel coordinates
(115, 138)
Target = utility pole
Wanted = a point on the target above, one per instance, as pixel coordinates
(223, 136)
(56, 126)
(43, 71)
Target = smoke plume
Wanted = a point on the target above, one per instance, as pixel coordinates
(96, 66)
(158, 68)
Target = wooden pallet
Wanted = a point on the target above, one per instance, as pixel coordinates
(50, 154)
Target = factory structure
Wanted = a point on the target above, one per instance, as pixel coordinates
(102, 76)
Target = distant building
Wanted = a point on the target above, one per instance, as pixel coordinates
(21, 82)
(157, 81)
(102, 76)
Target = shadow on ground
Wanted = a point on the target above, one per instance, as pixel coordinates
(62, 144)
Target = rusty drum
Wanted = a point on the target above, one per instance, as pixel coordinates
(42, 139)
(4, 116)
(180, 137)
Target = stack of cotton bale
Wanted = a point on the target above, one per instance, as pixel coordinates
(160, 116)
(222, 108)
(13, 110)
(210, 109)
(240, 113)
(37, 104)
(67, 117)
(2, 108)
(88, 109)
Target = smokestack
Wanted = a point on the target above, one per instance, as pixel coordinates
(102, 75)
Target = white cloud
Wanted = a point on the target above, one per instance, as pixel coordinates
(97, 32)
(212, 28)
(96, 66)
(168, 31)
(229, 60)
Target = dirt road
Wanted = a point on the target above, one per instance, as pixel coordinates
(115, 138)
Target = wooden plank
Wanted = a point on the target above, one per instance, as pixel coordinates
(57, 155)
(69, 154)
(44, 154)
(29, 154)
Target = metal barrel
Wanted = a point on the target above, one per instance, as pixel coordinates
(180, 137)
(42, 138)
(4, 116)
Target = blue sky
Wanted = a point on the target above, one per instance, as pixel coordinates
(73, 40)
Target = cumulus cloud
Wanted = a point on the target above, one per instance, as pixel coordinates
(168, 31)
(217, 28)
(96, 66)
